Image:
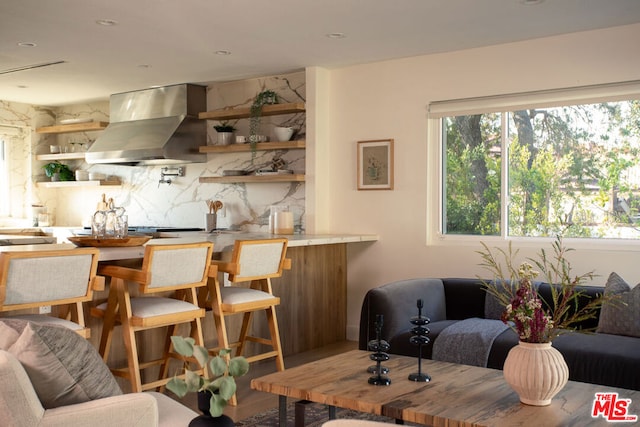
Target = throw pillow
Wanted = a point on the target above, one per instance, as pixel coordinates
(493, 309)
(8, 336)
(621, 317)
(63, 367)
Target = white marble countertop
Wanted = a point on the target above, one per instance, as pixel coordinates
(14, 239)
(222, 242)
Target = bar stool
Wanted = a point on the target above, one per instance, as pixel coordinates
(178, 269)
(256, 262)
(63, 279)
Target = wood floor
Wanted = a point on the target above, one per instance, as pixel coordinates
(252, 402)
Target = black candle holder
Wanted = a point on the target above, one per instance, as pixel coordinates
(379, 348)
(419, 338)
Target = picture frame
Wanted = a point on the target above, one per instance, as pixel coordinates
(375, 164)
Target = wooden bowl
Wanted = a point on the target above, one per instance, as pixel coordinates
(109, 242)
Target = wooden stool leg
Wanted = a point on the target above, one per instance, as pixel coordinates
(108, 322)
(129, 335)
(244, 331)
(221, 329)
(275, 336)
(166, 355)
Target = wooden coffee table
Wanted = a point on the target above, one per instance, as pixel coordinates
(457, 395)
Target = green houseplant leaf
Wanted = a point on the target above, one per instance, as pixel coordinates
(218, 373)
(63, 171)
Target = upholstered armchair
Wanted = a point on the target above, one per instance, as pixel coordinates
(20, 406)
(51, 376)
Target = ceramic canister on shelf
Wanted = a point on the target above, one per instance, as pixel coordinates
(272, 215)
(82, 175)
(283, 222)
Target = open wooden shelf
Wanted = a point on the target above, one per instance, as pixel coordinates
(60, 156)
(68, 184)
(74, 127)
(252, 178)
(261, 146)
(243, 113)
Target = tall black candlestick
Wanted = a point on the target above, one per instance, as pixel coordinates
(419, 338)
(379, 348)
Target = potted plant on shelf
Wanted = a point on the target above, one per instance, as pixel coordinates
(216, 385)
(225, 133)
(58, 171)
(266, 97)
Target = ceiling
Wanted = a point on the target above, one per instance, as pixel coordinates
(162, 42)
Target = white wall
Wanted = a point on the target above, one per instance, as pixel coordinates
(389, 100)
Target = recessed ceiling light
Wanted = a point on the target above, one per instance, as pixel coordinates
(531, 2)
(22, 86)
(223, 52)
(336, 35)
(144, 66)
(26, 44)
(107, 22)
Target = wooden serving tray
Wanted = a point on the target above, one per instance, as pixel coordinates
(105, 242)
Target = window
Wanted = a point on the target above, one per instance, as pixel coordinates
(573, 167)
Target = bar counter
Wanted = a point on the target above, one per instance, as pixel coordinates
(222, 242)
(313, 307)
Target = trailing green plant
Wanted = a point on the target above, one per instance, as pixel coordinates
(218, 373)
(63, 171)
(266, 97)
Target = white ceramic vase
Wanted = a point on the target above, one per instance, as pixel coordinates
(537, 372)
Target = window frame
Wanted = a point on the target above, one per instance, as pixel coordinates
(505, 103)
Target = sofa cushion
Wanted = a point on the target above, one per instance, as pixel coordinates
(621, 317)
(464, 298)
(64, 368)
(400, 343)
(8, 336)
(601, 358)
(397, 302)
(493, 308)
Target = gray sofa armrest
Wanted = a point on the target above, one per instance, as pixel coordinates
(396, 302)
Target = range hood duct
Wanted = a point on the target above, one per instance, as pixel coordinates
(153, 127)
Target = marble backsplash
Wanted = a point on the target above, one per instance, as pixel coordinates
(183, 202)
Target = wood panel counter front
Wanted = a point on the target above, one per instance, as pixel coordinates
(313, 308)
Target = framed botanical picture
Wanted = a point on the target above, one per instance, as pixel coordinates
(375, 164)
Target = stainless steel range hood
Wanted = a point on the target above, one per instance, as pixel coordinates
(153, 127)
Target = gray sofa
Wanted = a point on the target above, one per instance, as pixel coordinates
(596, 358)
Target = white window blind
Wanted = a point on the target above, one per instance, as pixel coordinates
(527, 100)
